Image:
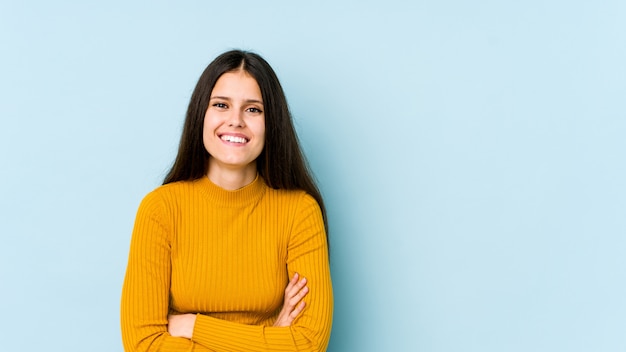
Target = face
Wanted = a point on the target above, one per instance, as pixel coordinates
(234, 123)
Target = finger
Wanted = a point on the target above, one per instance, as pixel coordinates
(295, 297)
(299, 296)
(296, 287)
(292, 282)
(294, 313)
(299, 285)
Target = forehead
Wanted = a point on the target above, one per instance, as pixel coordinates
(237, 84)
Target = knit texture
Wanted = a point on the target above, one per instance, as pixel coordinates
(227, 256)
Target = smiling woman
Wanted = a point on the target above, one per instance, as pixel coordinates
(238, 215)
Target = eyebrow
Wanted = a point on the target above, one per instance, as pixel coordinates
(246, 101)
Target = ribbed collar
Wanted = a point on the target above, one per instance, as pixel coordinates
(241, 197)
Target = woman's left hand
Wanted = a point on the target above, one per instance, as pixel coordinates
(181, 325)
(293, 304)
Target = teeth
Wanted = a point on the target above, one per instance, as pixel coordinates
(234, 139)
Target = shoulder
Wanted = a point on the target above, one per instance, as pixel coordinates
(298, 203)
(165, 196)
(161, 192)
(296, 197)
(162, 204)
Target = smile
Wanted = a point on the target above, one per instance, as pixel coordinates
(234, 139)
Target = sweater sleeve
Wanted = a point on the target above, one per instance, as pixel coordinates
(307, 254)
(145, 294)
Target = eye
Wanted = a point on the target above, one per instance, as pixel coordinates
(220, 105)
(254, 110)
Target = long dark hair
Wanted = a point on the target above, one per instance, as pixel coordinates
(281, 163)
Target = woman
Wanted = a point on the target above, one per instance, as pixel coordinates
(238, 214)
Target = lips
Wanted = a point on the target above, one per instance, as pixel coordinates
(234, 138)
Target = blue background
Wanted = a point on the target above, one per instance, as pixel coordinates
(472, 156)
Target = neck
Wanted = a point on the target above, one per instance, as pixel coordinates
(232, 179)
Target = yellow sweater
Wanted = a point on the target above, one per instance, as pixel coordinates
(227, 256)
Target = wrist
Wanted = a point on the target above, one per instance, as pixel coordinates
(192, 324)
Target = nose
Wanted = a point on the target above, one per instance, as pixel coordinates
(235, 119)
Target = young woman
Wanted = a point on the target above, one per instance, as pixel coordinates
(238, 215)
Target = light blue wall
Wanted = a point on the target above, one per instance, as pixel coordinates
(472, 154)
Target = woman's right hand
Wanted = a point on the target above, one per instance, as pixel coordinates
(293, 303)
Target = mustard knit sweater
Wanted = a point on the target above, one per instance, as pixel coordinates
(227, 256)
